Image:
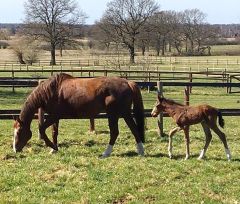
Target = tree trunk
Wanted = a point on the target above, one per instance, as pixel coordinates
(61, 51)
(143, 50)
(20, 58)
(53, 54)
(169, 47)
(132, 54)
(163, 47)
(192, 47)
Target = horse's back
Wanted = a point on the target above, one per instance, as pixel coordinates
(88, 97)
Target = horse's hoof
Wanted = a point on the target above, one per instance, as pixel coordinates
(141, 154)
(104, 156)
(92, 132)
(53, 151)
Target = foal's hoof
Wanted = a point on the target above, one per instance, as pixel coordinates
(186, 158)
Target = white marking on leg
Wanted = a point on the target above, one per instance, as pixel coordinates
(154, 112)
(14, 140)
(187, 157)
(170, 151)
(53, 151)
(170, 147)
(202, 153)
(228, 153)
(140, 149)
(107, 152)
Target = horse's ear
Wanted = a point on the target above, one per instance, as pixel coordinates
(15, 117)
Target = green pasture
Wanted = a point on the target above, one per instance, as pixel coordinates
(76, 174)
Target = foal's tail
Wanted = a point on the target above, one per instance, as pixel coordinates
(138, 109)
(220, 119)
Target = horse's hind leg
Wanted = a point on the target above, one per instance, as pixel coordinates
(222, 136)
(171, 133)
(55, 135)
(208, 138)
(113, 126)
(133, 127)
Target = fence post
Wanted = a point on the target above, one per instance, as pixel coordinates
(187, 95)
(190, 80)
(13, 87)
(149, 79)
(160, 116)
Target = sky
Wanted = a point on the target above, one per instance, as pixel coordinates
(217, 11)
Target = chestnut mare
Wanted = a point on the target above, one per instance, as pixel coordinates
(64, 96)
(184, 116)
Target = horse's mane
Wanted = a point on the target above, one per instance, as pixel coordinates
(171, 102)
(42, 94)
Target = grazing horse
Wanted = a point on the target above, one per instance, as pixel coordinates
(64, 96)
(184, 116)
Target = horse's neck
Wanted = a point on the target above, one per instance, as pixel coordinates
(29, 109)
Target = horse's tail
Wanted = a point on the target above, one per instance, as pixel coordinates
(220, 119)
(138, 110)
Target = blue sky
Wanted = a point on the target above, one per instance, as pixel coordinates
(218, 11)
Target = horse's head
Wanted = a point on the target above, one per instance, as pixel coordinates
(158, 107)
(21, 135)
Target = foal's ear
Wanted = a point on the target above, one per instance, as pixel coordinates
(160, 97)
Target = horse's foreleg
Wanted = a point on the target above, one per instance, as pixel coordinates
(171, 133)
(208, 138)
(113, 126)
(187, 140)
(42, 128)
(222, 136)
(54, 136)
(133, 127)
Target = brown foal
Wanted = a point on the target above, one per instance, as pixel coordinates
(184, 116)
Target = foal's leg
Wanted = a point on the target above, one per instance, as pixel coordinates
(187, 140)
(222, 136)
(48, 122)
(208, 137)
(133, 127)
(171, 133)
(54, 136)
(113, 126)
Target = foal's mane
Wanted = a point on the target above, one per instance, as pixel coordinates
(171, 102)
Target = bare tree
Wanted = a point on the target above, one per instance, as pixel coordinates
(124, 18)
(191, 21)
(26, 49)
(52, 20)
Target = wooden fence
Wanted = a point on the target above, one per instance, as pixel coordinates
(8, 114)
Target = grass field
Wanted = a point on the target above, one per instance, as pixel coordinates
(76, 175)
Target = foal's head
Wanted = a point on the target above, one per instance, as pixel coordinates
(158, 107)
(21, 135)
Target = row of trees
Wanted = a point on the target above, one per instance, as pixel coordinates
(186, 31)
(128, 23)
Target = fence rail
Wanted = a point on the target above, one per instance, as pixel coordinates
(8, 114)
